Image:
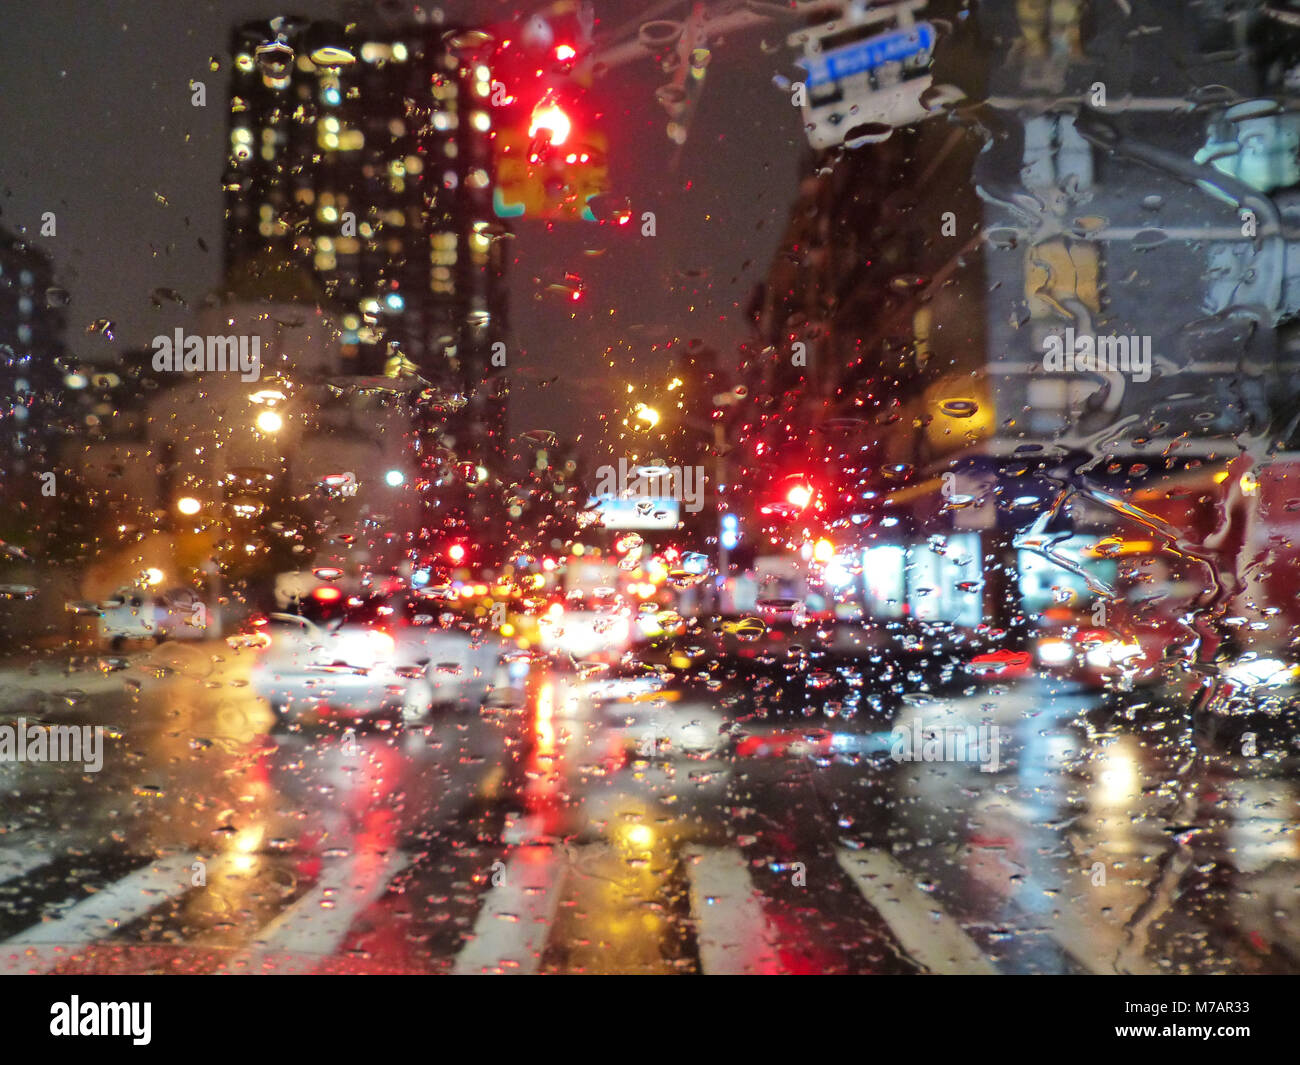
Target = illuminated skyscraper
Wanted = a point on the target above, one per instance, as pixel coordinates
(364, 156)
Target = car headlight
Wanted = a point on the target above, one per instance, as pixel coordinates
(1261, 673)
(1054, 652)
(1109, 654)
(365, 650)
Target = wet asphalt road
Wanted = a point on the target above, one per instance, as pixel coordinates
(588, 824)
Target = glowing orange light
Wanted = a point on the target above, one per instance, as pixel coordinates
(800, 495)
(456, 552)
(326, 595)
(550, 117)
(823, 550)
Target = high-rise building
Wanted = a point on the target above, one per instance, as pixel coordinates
(31, 326)
(363, 154)
(1121, 185)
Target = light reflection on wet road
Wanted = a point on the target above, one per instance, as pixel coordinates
(580, 826)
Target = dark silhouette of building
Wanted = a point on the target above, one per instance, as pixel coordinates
(31, 352)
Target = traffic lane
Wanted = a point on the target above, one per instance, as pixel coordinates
(192, 761)
(657, 877)
(626, 853)
(1081, 853)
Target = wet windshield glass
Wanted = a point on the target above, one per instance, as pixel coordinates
(627, 487)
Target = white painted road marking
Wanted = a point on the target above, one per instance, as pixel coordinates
(515, 921)
(937, 942)
(100, 915)
(315, 927)
(731, 930)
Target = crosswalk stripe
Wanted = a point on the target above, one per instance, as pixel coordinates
(925, 931)
(98, 916)
(512, 927)
(731, 931)
(17, 862)
(315, 926)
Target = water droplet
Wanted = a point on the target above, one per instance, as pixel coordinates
(959, 408)
(275, 61)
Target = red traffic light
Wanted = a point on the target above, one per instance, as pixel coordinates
(456, 553)
(797, 494)
(550, 122)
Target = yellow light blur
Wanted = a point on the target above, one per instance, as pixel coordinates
(823, 550)
(544, 728)
(1114, 547)
(646, 414)
(1118, 784)
(188, 505)
(269, 422)
(1249, 484)
(153, 576)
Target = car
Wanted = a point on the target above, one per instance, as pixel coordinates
(137, 614)
(369, 654)
(586, 626)
(1129, 651)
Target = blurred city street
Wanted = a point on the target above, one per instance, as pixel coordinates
(567, 828)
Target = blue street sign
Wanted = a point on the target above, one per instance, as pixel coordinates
(867, 55)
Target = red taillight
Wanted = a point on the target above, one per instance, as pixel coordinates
(326, 595)
(456, 552)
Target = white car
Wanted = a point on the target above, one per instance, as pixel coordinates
(591, 627)
(138, 614)
(373, 654)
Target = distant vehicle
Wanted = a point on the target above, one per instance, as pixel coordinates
(363, 655)
(586, 626)
(867, 73)
(138, 614)
(295, 587)
(1129, 651)
(1123, 639)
